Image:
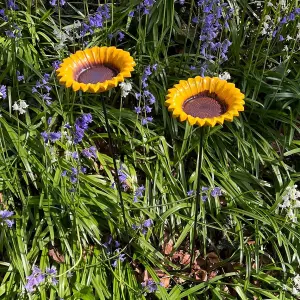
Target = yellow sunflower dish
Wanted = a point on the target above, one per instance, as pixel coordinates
(205, 101)
(95, 70)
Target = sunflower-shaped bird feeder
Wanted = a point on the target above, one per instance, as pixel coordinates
(96, 70)
(203, 101)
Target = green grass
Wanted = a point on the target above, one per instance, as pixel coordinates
(254, 160)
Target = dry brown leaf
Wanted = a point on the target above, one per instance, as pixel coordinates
(212, 257)
(165, 281)
(56, 256)
(250, 242)
(201, 275)
(168, 244)
(186, 259)
(212, 274)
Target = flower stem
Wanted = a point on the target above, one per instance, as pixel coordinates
(117, 181)
(198, 193)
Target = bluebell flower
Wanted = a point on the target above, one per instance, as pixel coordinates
(181, 2)
(83, 170)
(54, 136)
(148, 109)
(190, 193)
(204, 198)
(146, 120)
(131, 14)
(49, 120)
(136, 227)
(19, 76)
(102, 14)
(121, 36)
(147, 71)
(148, 223)
(110, 36)
(3, 94)
(216, 192)
(67, 125)
(122, 176)
(75, 155)
(150, 286)
(73, 178)
(114, 263)
(54, 281)
(44, 135)
(138, 193)
(35, 279)
(5, 216)
(137, 110)
(90, 152)
(64, 173)
(12, 5)
(195, 20)
(3, 15)
(51, 271)
(81, 124)
(56, 64)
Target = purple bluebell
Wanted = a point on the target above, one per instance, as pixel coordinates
(121, 36)
(216, 192)
(54, 136)
(204, 198)
(51, 271)
(81, 124)
(73, 178)
(44, 135)
(150, 286)
(3, 93)
(195, 20)
(90, 152)
(12, 5)
(114, 263)
(148, 223)
(131, 14)
(9, 33)
(75, 155)
(56, 64)
(190, 193)
(4, 217)
(136, 227)
(181, 2)
(96, 21)
(64, 173)
(147, 109)
(146, 120)
(67, 125)
(54, 281)
(122, 176)
(19, 76)
(138, 193)
(35, 279)
(3, 15)
(49, 120)
(137, 110)
(110, 36)
(83, 170)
